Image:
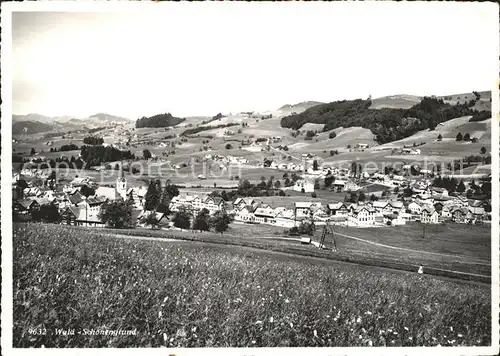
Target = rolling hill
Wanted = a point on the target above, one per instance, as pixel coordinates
(30, 127)
(40, 123)
(388, 124)
(107, 118)
(288, 109)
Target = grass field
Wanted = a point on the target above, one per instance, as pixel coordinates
(188, 295)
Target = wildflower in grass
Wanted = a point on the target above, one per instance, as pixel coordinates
(271, 320)
(363, 330)
(368, 313)
(165, 337)
(406, 329)
(410, 338)
(315, 333)
(149, 290)
(370, 343)
(291, 325)
(258, 322)
(358, 320)
(159, 314)
(193, 329)
(451, 328)
(287, 301)
(460, 335)
(360, 336)
(395, 332)
(254, 342)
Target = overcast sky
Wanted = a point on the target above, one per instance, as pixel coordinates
(200, 59)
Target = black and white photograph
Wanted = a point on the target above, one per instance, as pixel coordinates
(250, 177)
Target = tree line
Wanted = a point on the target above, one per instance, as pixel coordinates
(96, 155)
(64, 148)
(93, 140)
(160, 120)
(195, 130)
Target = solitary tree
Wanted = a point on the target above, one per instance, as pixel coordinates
(467, 137)
(459, 136)
(461, 187)
(332, 134)
(152, 197)
(315, 165)
(202, 221)
(32, 151)
(440, 137)
(146, 154)
(483, 150)
(182, 219)
(220, 221)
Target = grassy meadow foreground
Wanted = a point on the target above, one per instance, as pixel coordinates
(186, 294)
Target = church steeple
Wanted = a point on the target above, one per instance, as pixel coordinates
(121, 183)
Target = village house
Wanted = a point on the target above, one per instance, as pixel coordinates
(461, 215)
(285, 218)
(239, 203)
(81, 217)
(107, 192)
(429, 215)
(414, 207)
(382, 207)
(265, 216)
(337, 209)
(306, 209)
(161, 219)
(361, 216)
(393, 219)
(25, 206)
(92, 205)
(244, 214)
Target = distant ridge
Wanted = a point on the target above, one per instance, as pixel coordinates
(303, 104)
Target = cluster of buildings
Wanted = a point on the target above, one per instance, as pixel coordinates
(74, 206)
(426, 204)
(228, 159)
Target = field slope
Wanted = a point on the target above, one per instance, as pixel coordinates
(178, 294)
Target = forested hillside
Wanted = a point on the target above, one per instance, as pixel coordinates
(387, 124)
(160, 120)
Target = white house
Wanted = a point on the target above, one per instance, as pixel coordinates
(265, 216)
(285, 218)
(244, 214)
(429, 215)
(306, 209)
(361, 216)
(415, 208)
